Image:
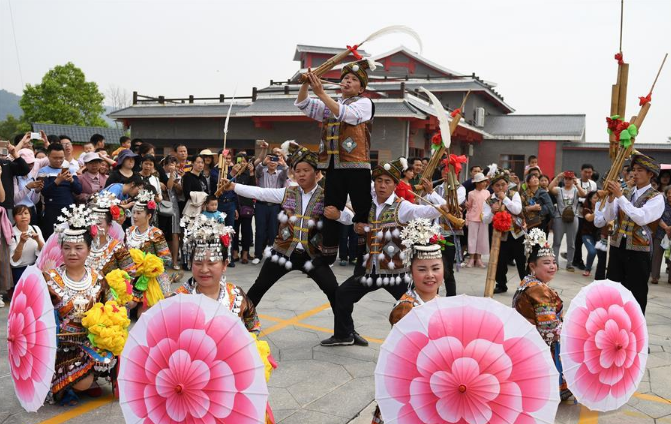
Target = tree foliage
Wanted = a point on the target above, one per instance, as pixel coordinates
(64, 97)
(11, 127)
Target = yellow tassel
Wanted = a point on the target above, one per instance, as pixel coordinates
(154, 292)
(264, 351)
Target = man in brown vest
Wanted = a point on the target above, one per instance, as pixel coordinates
(384, 264)
(344, 149)
(636, 212)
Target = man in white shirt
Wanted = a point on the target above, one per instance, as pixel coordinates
(512, 246)
(344, 149)
(384, 265)
(636, 212)
(587, 185)
(298, 240)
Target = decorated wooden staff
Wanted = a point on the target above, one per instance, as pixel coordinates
(441, 144)
(494, 250)
(332, 62)
(624, 133)
(223, 164)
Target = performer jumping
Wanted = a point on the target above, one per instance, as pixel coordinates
(344, 149)
(384, 265)
(299, 236)
(636, 212)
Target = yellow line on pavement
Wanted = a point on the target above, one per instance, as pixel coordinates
(79, 410)
(587, 416)
(315, 328)
(295, 319)
(652, 398)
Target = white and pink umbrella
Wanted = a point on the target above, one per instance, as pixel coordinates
(604, 345)
(31, 339)
(51, 255)
(467, 360)
(189, 359)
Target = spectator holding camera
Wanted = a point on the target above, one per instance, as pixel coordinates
(27, 242)
(61, 186)
(12, 165)
(26, 188)
(271, 172)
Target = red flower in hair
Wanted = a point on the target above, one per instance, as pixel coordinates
(151, 205)
(115, 211)
(225, 240)
(94, 230)
(502, 221)
(436, 239)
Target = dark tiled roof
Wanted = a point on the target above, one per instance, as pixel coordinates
(302, 48)
(200, 110)
(80, 134)
(557, 126)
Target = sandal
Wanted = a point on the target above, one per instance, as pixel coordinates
(653, 281)
(586, 273)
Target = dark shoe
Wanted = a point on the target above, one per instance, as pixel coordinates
(353, 262)
(244, 261)
(231, 264)
(563, 255)
(333, 341)
(570, 269)
(343, 262)
(499, 289)
(654, 281)
(358, 340)
(579, 265)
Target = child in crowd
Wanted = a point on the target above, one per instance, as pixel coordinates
(478, 232)
(211, 212)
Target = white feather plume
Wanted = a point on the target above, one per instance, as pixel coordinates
(492, 170)
(395, 29)
(404, 163)
(285, 147)
(309, 266)
(443, 121)
(228, 114)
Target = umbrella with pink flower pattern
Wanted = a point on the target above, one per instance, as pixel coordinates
(604, 345)
(51, 255)
(189, 359)
(31, 339)
(467, 360)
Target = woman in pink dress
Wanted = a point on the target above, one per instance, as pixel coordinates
(478, 231)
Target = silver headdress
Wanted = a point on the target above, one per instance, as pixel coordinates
(145, 199)
(75, 221)
(536, 237)
(207, 237)
(102, 202)
(422, 240)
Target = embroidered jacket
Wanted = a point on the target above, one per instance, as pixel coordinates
(541, 306)
(153, 243)
(383, 241)
(296, 228)
(638, 237)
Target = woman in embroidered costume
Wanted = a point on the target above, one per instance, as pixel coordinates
(207, 243)
(107, 253)
(75, 288)
(424, 243)
(537, 302)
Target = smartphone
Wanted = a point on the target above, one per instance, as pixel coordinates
(41, 177)
(238, 160)
(4, 151)
(35, 136)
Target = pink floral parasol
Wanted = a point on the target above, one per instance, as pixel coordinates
(189, 359)
(51, 255)
(467, 360)
(604, 345)
(116, 231)
(31, 339)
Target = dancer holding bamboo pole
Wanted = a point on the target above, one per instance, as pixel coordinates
(504, 210)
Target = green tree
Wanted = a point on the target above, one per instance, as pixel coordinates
(11, 127)
(64, 97)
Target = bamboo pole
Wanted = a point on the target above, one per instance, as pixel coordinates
(623, 82)
(490, 281)
(456, 221)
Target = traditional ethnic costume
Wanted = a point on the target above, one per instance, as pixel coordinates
(512, 240)
(636, 214)
(422, 241)
(383, 265)
(299, 239)
(150, 240)
(344, 152)
(76, 357)
(209, 238)
(107, 253)
(540, 304)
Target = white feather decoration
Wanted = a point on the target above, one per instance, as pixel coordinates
(274, 258)
(309, 266)
(391, 265)
(387, 236)
(443, 121)
(369, 281)
(285, 147)
(492, 170)
(404, 163)
(288, 265)
(392, 29)
(267, 252)
(282, 261)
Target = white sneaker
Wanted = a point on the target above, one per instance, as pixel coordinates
(256, 261)
(2, 304)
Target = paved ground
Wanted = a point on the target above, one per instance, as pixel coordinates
(314, 384)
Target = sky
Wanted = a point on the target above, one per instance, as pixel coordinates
(553, 57)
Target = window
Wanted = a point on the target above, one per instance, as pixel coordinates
(513, 162)
(415, 153)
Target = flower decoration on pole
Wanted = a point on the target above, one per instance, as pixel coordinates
(107, 326)
(502, 221)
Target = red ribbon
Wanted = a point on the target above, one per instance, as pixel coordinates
(456, 162)
(645, 99)
(354, 52)
(455, 112)
(619, 58)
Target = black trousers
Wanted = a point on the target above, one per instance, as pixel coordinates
(349, 293)
(511, 249)
(600, 265)
(448, 269)
(271, 272)
(632, 270)
(577, 256)
(340, 183)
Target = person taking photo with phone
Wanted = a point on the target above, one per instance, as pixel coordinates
(60, 188)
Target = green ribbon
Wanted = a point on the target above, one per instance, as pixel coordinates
(141, 283)
(92, 339)
(114, 294)
(627, 134)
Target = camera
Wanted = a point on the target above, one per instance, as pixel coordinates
(4, 151)
(35, 136)
(274, 159)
